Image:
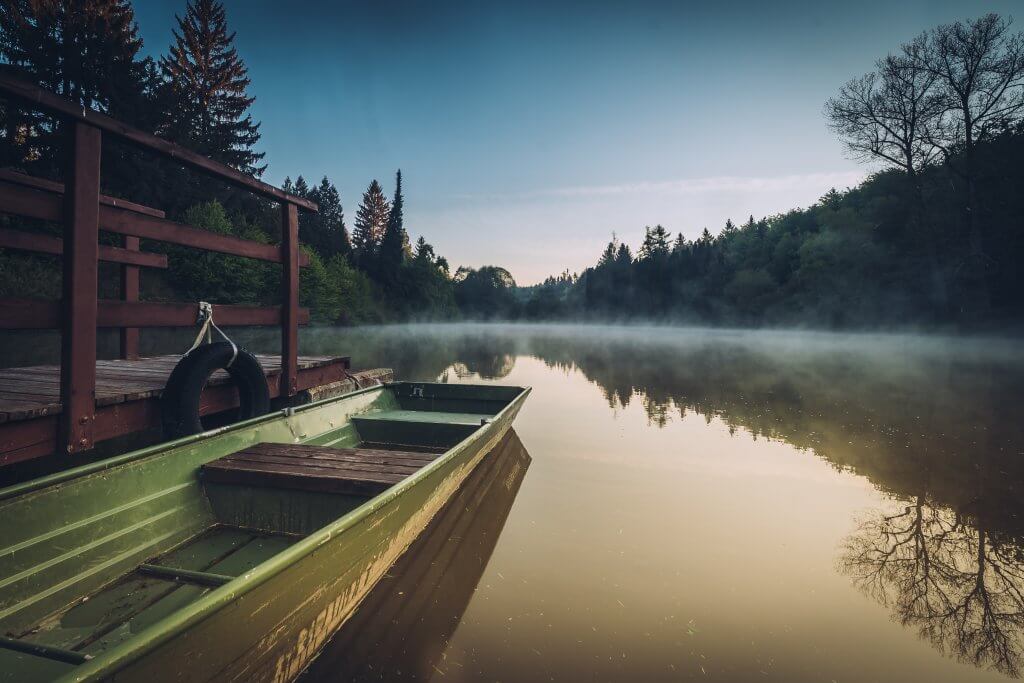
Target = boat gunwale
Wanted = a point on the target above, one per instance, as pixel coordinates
(156, 449)
(173, 624)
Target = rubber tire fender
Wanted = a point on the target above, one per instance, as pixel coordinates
(179, 405)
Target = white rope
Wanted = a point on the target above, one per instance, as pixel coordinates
(205, 318)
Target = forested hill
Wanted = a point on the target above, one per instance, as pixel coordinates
(934, 240)
(855, 259)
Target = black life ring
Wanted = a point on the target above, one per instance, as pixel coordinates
(179, 405)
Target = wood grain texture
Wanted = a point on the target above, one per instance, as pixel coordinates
(18, 178)
(289, 298)
(42, 99)
(353, 471)
(30, 202)
(80, 281)
(128, 398)
(46, 244)
(32, 314)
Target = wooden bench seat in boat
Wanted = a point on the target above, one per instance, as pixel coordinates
(353, 471)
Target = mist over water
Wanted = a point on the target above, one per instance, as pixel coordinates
(734, 505)
(683, 503)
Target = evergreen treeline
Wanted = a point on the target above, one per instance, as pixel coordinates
(933, 239)
(197, 94)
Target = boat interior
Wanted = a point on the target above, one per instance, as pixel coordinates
(130, 545)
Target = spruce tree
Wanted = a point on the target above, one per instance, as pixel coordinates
(395, 216)
(655, 244)
(206, 84)
(608, 255)
(370, 223)
(395, 243)
(424, 251)
(85, 51)
(325, 230)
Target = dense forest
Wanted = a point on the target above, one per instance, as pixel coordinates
(933, 238)
(196, 94)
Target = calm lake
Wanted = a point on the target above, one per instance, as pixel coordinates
(734, 506)
(688, 504)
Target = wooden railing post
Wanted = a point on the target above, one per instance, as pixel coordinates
(81, 253)
(130, 292)
(290, 302)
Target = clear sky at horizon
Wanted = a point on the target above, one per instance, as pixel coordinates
(528, 132)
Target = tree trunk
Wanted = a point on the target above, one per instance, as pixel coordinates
(977, 265)
(938, 293)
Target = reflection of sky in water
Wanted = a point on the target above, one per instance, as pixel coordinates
(737, 506)
(719, 504)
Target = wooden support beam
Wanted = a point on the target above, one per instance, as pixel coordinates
(29, 314)
(290, 298)
(34, 438)
(129, 336)
(44, 205)
(153, 314)
(47, 244)
(32, 314)
(149, 227)
(26, 180)
(42, 99)
(78, 334)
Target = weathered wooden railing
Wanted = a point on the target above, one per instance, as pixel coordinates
(84, 211)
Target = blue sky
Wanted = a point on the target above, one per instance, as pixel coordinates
(528, 132)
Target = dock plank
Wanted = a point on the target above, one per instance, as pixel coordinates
(34, 391)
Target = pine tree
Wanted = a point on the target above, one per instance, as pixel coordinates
(608, 255)
(395, 216)
(301, 188)
(655, 243)
(206, 83)
(371, 221)
(624, 256)
(424, 251)
(85, 51)
(325, 230)
(679, 246)
(394, 246)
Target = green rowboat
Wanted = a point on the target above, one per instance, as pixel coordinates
(161, 564)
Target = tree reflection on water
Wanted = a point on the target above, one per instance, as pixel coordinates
(960, 586)
(935, 424)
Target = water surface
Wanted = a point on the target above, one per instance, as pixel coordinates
(706, 505)
(715, 505)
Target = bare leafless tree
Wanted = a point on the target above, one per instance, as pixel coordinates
(979, 70)
(890, 115)
(886, 115)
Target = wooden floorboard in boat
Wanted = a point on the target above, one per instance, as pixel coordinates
(354, 471)
(121, 609)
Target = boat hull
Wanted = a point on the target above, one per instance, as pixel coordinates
(298, 600)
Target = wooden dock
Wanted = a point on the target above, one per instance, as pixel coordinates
(67, 409)
(127, 397)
